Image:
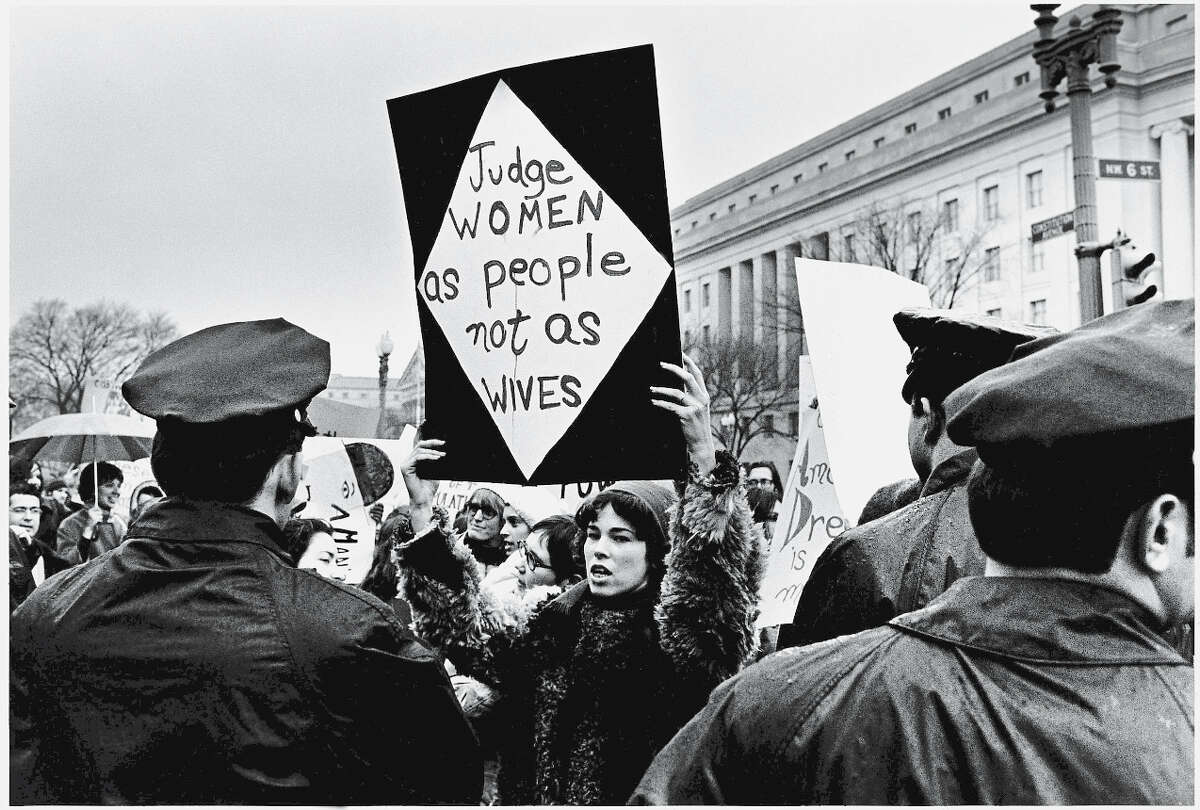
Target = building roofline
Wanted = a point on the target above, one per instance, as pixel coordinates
(958, 75)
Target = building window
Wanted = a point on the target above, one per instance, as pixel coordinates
(678, 230)
(712, 215)
(991, 264)
(879, 142)
(1037, 312)
(850, 156)
(991, 203)
(768, 425)
(796, 178)
(996, 313)
(704, 295)
(687, 300)
(753, 197)
(914, 226)
(774, 188)
(821, 169)
(695, 222)
(706, 332)
(848, 247)
(1037, 260)
(732, 206)
(909, 129)
(1033, 189)
(950, 215)
(794, 422)
(687, 339)
(943, 113)
(981, 96)
(1020, 79)
(1176, 21)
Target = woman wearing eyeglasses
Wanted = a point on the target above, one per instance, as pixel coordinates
(602, 676)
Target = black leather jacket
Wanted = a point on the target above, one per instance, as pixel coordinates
(194, 664)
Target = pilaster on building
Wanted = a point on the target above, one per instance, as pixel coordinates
(975, 140)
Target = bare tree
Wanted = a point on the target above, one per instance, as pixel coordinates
(53, 350)
(744, 386)
(915, 241)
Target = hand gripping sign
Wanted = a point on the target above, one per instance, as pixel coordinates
(540, 231)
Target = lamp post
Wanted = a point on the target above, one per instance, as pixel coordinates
(383, 348)
(1070, 57)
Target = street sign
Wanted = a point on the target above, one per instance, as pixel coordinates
(1129, 169)
(1050, 228)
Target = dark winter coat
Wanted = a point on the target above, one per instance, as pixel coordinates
(1002, 691)
(593, 688)
(892, 565)
(194, 664)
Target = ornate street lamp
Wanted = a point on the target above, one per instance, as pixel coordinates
(1070, 57)
(383, 348)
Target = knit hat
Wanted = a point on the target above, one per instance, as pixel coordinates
(655, 498)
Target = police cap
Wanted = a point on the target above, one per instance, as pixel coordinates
(1128, 373)
(949, 347)
(234, 371)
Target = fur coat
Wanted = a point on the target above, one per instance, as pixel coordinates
(593, 687)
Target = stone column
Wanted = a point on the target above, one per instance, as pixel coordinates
(735, 300)
(756, 299)
(766, 293)
(1177, 227)
(786, 296)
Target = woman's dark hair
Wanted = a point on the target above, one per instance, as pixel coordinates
(227, 461)
(638, 514)
(95, 476)
(298, 533)
(382, 578)
(561, 533)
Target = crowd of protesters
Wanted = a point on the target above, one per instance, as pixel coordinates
(1012, 625)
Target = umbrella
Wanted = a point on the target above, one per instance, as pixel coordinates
(77, 438)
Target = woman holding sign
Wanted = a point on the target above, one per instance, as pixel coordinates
(601, 677)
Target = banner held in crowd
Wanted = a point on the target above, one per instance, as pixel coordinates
(858, 362)
(809, 514)
(544, 282)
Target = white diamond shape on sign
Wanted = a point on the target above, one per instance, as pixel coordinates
(537, 278)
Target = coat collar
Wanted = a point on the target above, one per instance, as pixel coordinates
(951, 471)
(1042, 620)
(180, 519)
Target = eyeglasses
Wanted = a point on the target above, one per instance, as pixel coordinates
(488, 512)
(760, 482)
(532, 561)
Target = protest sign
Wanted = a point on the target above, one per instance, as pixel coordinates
(858, 361)
(103, 395)
(537, 210)
(536, 501)
(809, 514)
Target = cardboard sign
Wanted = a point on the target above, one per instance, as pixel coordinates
(809, 514)
(102, 395)
(540, 232)
(537, 502)
(858, 361)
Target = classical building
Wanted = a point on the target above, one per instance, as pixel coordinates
(973, 175)
(404, 396)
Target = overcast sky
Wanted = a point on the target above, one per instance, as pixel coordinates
(227, 164)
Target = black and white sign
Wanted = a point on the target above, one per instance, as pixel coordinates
(1129, 169)
(537, 209)
(1050, 228)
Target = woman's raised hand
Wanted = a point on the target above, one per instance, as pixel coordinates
(690, 404)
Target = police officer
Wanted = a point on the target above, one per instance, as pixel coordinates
(899, 562)
(1046, 679)
(194, 663)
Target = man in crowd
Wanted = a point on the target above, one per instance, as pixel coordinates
(24, 550)
(901, 561)
(95, 529)
(194, 664)
(1046, 679)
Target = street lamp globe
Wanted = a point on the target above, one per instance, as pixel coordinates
(384, 347)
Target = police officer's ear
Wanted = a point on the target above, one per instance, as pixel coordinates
(1163, 534)
(288, 473)
(935, 419)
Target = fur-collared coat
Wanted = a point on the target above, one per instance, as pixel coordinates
(593, 687)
